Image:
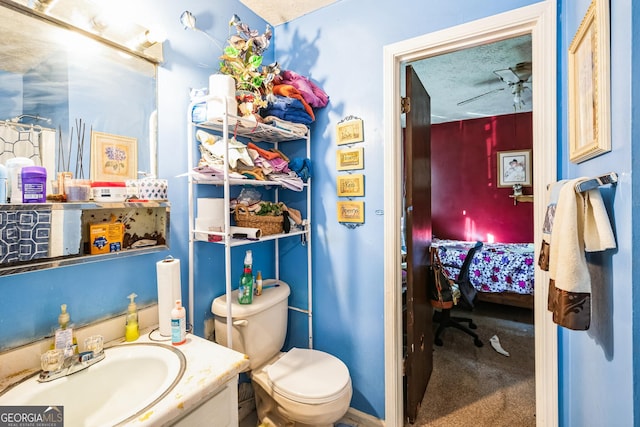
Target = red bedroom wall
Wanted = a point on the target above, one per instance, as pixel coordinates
(466, 202)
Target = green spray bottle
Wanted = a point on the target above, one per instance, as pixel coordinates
(245, 290)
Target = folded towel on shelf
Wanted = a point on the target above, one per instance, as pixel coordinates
(260, 161)
(269, 155)
(311, 92)
(286, 108)
(302, 167)
(291, 92)
(279, 165)
(213, 145)
(296, 128)
(288, 180)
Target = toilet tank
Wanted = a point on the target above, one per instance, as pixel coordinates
(260, 328)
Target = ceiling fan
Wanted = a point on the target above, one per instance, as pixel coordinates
(516, 78)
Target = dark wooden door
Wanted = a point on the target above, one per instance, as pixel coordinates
(417, 214)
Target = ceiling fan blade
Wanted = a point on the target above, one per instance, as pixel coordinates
(466, 101)
(507, 75)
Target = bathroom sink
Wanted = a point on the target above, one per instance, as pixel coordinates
(130, 380)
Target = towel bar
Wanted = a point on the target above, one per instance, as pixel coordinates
(610, 178)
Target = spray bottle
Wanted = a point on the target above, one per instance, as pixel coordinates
(245, 290)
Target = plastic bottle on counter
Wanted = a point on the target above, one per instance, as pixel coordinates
(178, 324)
(259, 283)
(132, 330)
(64, 336)
(245, 290)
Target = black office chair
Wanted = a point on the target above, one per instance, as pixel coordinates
(467, 296)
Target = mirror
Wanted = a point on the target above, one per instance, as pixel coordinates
(58, 84)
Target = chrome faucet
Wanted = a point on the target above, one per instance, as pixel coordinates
(57, 364)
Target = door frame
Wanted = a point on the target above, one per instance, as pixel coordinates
(539, 20)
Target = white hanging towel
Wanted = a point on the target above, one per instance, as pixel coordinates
(581, 224)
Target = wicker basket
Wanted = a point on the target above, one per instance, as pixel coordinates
(267, 224)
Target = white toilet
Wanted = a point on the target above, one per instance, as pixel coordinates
(301, 387)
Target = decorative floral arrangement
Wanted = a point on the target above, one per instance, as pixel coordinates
(242, 59)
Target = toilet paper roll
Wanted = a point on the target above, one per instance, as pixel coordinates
(212, 208)
(169, 290)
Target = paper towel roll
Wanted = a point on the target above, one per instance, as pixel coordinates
(169, 290)
(252, 233)
(215, 110)
(222, 85)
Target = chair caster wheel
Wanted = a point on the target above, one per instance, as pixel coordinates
(439, 342)
(473, 326)
(477, 342)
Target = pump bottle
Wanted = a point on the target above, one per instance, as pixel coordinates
(65, 337)
(132, 330)
(178, 324)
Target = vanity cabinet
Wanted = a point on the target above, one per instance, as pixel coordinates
(298, 239)
(46, 235)
(221, 407)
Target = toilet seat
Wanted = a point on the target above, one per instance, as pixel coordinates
(308, 376)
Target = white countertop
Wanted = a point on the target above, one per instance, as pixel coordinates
(209, 367)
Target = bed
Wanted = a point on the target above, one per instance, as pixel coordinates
(501, 272)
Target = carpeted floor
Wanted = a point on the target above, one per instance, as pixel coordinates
(477, 386)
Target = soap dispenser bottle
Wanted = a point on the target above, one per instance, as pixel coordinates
(178, 324)
(64, 336)
(132, 331)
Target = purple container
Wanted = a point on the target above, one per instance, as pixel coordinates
(34, 184)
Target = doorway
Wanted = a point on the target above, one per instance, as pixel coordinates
(539, 21)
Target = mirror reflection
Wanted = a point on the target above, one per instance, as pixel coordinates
(58, 86)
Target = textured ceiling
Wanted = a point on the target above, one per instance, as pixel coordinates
(463, 75)
(277, 12)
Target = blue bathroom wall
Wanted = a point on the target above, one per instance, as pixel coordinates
(597, 366)
(340, 48)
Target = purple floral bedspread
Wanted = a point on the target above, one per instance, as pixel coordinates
(496, 267)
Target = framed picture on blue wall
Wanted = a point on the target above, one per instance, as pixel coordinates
(589, 85)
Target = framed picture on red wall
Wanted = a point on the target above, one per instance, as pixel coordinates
(514, 167)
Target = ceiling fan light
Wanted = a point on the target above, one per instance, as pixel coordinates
(517, 100)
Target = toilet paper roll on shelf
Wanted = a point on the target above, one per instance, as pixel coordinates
(211, 207)
(169, 290)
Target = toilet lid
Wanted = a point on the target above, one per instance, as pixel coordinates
(308, 376)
